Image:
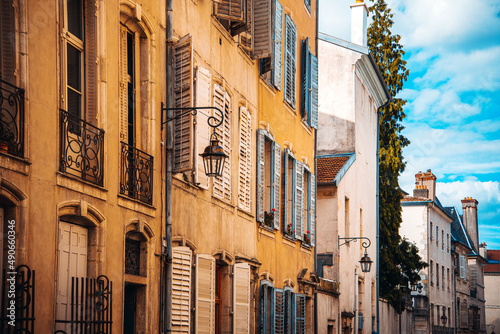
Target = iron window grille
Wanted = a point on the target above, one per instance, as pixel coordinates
(136, 176)
(11, 119)
(132, 257)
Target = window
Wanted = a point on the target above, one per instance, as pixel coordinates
(270, 64)
(7, 42)
(462, 267)
(245, 160)
(290, 61)
(309, 204)
(448, 276)
(437, 235)
(442, 276)
(431, 274)
(430, 232)
(234, 15)
(442, 239)
(241, 295)
(447, 242)
(437, 275)
(290, 180)
(268, 180)
(347, 218)
(222, 184)
(309, 107)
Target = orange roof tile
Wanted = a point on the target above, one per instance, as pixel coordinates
(328, 168)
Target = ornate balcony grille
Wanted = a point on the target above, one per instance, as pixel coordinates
(132, 257)
(136, 177)
(11, 119)
(82, 149)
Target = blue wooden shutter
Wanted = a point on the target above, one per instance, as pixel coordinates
(278, 33)
(307, 3)
(299, 201)
(279, 315)
(277, 184)
(260, 175)
(263, 306)
(290, 60)
(293, 318)
(306, 81)
(314, 91)
(285, 189)
(288, 310)
(300, 314)
(312, 208)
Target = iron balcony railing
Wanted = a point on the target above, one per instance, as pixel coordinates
(82, 149)
(136, 176)
(11, 119)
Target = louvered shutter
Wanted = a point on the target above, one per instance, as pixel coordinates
(306, 81)
(183, 126)
(312, 208)
(314, 91)
(289, 310)
(222, 184)
(285, 189)
(290, 60)
(462, 266)
(261, 145)
(202, 99)
(261, 29)
(244, 170)
(299, 201)
(277, 185)
(307, 3)
(91, 62)
(265, 290)
(7, 42)
(279, 311)
(245, 38)
(232, 10)
(241, 302)
(123, 85)
(205, 294)
(181, 289)
(277, 54)
(300, 316)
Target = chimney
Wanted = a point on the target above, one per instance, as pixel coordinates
(428, 181)
(359, 18)
(421, 191)
(482, 250)
(469, 207)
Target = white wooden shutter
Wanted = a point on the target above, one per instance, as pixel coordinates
(277, 185)
(261, 29)
(278, 37)
(91, 62)
(202, 99)
(232, 10)
(205, 294)
(290, 60)
(222, 184)
(183, 98)
(312, 209)
(244, 170)
(241, 302)
(123, 85)
(181, 289)
(261, 145)
(299, 201)
(7, 42)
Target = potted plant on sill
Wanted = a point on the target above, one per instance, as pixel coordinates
(6, 136)
(269, 218)
(289, 232)
(307, 238)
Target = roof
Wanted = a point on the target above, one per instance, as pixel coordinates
(332, 168)
(414, 199)
(493, 264)
(458, 231)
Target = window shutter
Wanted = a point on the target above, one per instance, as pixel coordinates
(312, 209)
(277, 185)
(7, 43)
(462, 266)
(278, 33)
(264, 290)
(205, 294)
(301, 313)
(285, 189)
(290, 60)
(91, 61)
(241, 293)
(123, 86)
(260, 175)
(244, 171)
(306, 81)
(232, 10)
(245, 38)
(202, 99)
(289, 310)
(279, 311)
(299, 201)
(314, 91)
(222, 184)
(261, 29)
(307, 3)
(181, 289)
(183, 126)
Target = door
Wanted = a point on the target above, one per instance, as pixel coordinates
(129, 309)
(72, 255)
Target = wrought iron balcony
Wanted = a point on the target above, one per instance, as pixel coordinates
(136, 175)
(11, 119)
(82, 149)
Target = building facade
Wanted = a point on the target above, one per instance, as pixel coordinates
(492, 289)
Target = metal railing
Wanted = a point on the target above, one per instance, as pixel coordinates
(11, 119)
(82, 149)
(136, 175)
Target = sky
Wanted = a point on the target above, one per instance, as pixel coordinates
(453, 93)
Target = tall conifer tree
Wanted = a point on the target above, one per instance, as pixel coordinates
(399, 260)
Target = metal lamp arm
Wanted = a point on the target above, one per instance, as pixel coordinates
(364, 244)
(212, 121)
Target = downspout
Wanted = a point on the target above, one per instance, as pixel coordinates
(455, 258)
(316, 173)
(168, 187)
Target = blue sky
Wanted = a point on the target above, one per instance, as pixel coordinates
(453, 92)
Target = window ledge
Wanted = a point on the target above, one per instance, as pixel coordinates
(141, 280)
(267, 231)
(245, 214)
(81, 186)
(13, 163)
(289, 242)
(133, 204)
(290, 109)
(267, 85)
(222, 30)
(306, 127)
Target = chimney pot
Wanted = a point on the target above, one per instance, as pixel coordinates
(359, 23)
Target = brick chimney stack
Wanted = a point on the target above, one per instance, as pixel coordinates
(421, 192)
(426, 181)
(469, 207)
(359, 23)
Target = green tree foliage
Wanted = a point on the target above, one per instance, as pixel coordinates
(399, 259)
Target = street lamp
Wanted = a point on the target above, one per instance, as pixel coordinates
(493, 329)
(366, 262)
(444, 318)
(417, 287)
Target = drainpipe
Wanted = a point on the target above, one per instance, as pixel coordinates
(316, 173)
(168, 186)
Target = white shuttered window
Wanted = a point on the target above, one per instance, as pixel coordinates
(241, 294)
(299, 201)
(222, 184)
(202, 99)
(181, 289)
(205, 294)
(245, 161)
(290, 60)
